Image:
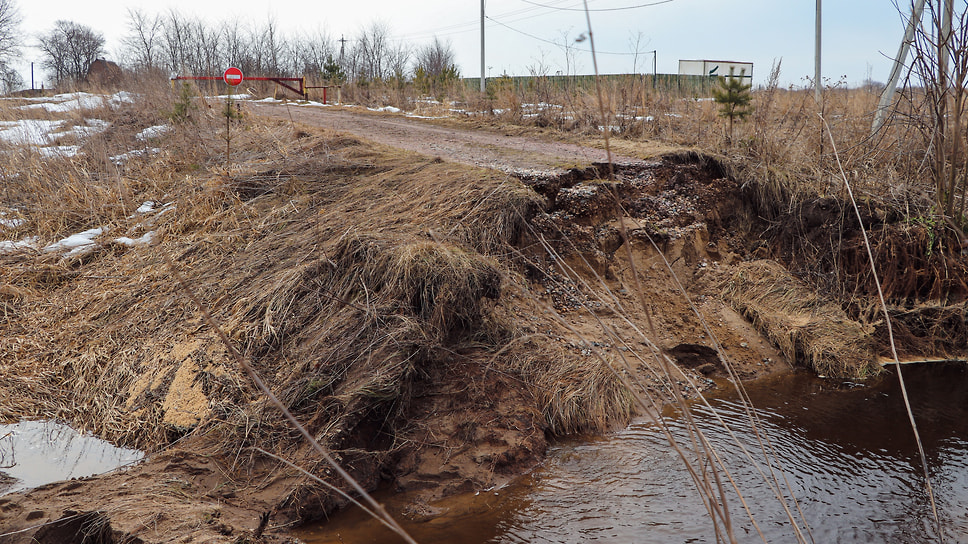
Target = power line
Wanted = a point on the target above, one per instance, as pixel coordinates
(459, 28)
(597, 9)
(532, 36)
(517, 15)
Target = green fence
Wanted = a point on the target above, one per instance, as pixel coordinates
(699, 86)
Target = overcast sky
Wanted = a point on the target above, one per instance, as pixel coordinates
(859, 35)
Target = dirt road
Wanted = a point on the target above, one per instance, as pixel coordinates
(477, 147)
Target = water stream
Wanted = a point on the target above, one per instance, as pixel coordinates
(846, 449)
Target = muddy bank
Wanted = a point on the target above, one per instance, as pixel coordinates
(429, 323)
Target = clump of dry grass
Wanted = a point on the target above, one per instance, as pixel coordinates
(806, 328)
(577, 394)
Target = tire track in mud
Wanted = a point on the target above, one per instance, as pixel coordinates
(512, 154)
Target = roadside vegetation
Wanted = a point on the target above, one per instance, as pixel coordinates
(420, 317)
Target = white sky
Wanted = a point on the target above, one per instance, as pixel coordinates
(859, 35)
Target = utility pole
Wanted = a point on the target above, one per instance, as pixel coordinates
(482, 46)
(817, 81)
(944, 45)
(817, 90)
(342, 46)
(887, 97)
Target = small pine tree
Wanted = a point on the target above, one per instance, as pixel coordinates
(183, 106)
(333, 73)
(733, 97)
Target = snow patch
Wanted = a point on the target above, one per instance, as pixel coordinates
(79, 243)
(28, 131)
(10, 223)
(121, 97)
(64, 103)
(144, 240)
(153, 132)
(122, 158)
(9, 246)
(231, 96)
(64, 151)
(147, 206)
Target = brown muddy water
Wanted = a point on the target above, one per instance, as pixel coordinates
(34, 453)
(846, 449)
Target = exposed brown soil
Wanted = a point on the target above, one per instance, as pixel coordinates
(432, 324)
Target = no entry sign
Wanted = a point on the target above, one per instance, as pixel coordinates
(233, 76)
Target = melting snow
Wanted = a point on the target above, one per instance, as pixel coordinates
(142, 241)
(59, 151)
(41, 132)
(153, 132)
(120, 159)
(148, 206)
(79, 243)
(9, 246)
(231, 96)
(122, 97)
(10, 223)
(28, 131)
(63, 103)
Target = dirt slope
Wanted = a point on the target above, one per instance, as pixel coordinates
(434, 324)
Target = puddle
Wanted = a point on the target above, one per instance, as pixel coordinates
(34, 453)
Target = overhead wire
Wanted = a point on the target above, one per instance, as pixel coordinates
(623, 8)
(468, 26)
(558, 44)
(523, 14)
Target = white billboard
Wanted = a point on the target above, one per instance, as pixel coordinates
(712, 68)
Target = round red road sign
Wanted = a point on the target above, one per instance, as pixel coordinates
(233, 76)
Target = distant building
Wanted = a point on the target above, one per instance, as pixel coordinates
(104, 73)
(715, 68)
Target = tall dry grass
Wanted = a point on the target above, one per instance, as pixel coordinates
(308, 252)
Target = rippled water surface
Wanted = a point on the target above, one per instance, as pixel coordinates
(846, 449)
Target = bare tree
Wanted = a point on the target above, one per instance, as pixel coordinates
(398, 58)
(237, 52)
(143, 42)
(309, 53)
(372, 56)
(203, 46)
(436, 58)
(69, 49)
(9, 33)
(571, 52)
(268, 47)
(435, 67)
(941, 63)
(173, 37)
(11, 80)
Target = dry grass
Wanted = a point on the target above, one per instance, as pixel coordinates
(806, 328)
(358, 279)
(354, 277)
